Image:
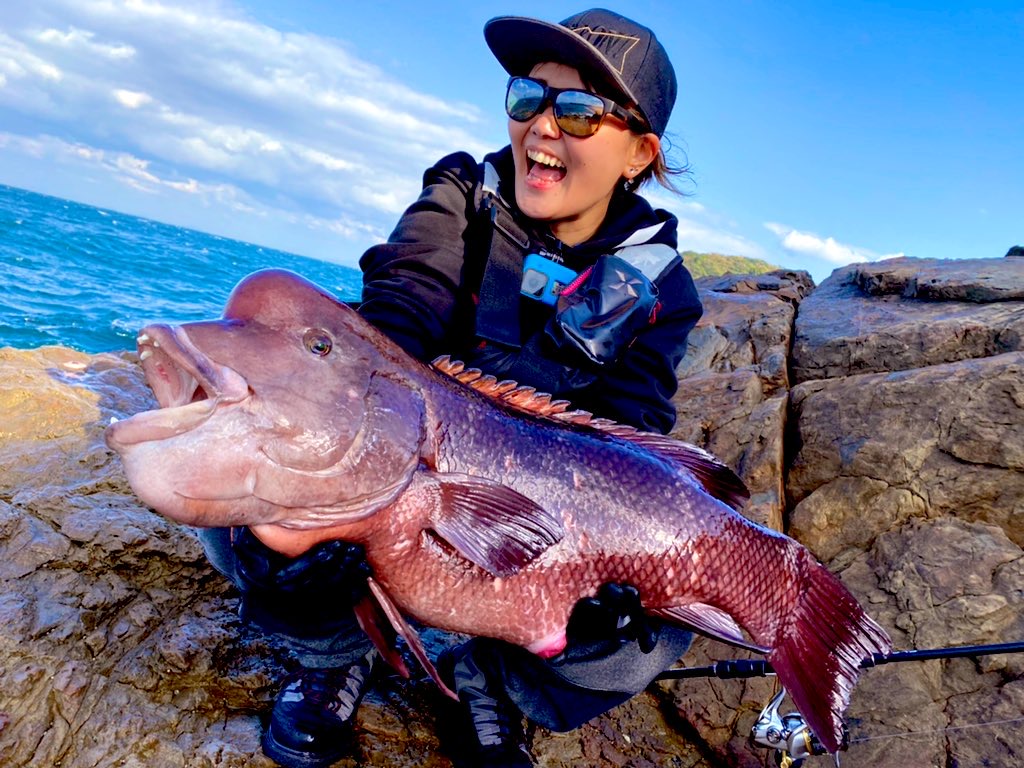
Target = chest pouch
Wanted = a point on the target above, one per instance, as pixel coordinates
(603, 310)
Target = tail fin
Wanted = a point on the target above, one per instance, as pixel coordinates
(818, 658)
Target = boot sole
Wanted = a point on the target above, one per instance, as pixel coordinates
(290, 758)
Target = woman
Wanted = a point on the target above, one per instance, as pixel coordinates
(541, 265)
(588, 102)
(569, 196)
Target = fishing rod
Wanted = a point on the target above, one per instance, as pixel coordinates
(788, 733)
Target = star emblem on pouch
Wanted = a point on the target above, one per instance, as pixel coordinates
(625, 284)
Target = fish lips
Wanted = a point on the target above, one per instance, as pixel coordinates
(187, 384)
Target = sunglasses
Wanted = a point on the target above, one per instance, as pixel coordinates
(577, 113)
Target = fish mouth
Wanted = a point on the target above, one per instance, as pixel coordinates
(188, 385)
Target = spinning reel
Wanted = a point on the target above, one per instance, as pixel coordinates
(788, 735)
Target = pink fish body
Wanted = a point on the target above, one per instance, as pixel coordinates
(484, 508)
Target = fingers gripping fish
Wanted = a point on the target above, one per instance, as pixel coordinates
(484, 508)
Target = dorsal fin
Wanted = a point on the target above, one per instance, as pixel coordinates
(521, 398)
(714, 476)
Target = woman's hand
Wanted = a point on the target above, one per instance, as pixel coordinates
(614, 613)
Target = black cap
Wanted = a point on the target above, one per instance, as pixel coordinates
(622, 58)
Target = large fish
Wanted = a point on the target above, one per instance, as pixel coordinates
(484, 507)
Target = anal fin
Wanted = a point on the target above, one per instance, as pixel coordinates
(710, 621)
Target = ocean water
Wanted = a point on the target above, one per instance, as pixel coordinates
(88, 278)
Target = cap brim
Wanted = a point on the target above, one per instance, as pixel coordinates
(520, 43)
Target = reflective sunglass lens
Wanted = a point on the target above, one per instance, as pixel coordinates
(578, 113)
(524, 99)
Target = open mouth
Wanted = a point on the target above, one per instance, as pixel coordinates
(544, 167)
(187, 384)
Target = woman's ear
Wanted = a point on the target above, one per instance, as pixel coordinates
(641, 153)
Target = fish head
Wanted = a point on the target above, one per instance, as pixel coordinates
(284, 411)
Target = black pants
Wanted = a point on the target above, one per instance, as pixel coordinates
(317, 625)
(585, 681)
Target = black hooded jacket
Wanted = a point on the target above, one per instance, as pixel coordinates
(422, 288)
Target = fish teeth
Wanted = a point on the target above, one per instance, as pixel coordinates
(145, 354)
(544, 158)
(114, 419)
(145, 338)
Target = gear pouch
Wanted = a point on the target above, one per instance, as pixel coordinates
(602, 312)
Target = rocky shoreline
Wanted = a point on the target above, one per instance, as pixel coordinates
(878, 418)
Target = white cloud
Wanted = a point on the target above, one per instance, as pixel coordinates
(325, 160)
(19, 62)
(135, 168)
(132, 99)
(191, 186)
(694, 236)
(82, 39)
(139, 175)
(189, 97)
(826, 248)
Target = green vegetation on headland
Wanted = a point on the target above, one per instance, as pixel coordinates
(711, 264)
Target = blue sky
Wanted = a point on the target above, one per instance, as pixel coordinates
(819, 133)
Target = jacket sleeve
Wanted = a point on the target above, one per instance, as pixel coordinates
(638, 388)
(411, 283)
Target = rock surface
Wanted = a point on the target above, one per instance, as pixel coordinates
(879, 418)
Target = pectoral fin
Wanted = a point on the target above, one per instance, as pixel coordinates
(492, 525)
(710, 621)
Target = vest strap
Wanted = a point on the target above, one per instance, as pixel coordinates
(497, 316)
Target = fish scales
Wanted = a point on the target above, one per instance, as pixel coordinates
(484, 508)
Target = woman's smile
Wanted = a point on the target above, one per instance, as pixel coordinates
(543, 169)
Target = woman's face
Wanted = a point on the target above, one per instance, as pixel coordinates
(567, 181)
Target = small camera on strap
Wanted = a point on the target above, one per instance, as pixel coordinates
(544, 279)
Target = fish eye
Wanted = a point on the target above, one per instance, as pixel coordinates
(318, 342)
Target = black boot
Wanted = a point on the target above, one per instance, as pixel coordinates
(487, 730)
(311, 723)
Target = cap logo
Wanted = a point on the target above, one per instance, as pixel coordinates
(613, 45)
